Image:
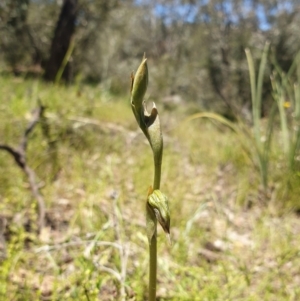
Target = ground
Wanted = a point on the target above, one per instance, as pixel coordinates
(232, 239)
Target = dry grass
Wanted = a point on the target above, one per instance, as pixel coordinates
(231, 239)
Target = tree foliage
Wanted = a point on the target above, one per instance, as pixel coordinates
(195, 47)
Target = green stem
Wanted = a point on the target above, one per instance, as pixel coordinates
(157, 156)
(157, 169)
(153, 268)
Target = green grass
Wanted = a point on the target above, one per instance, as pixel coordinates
(94, 175)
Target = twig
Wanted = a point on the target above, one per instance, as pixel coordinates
(76, 243)
(19, 154)
(110, 271)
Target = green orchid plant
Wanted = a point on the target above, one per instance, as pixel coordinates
(157, 207)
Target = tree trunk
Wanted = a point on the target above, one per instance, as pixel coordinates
(64, 31)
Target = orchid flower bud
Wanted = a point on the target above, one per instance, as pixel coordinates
(158, 202)
(139, 83)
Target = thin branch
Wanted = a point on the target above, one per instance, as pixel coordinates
(15, 153)
(110, 271)
(48, 248)
(19, 155)
(37, 114)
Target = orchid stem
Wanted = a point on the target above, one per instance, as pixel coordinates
(157, 208)
(153, 244)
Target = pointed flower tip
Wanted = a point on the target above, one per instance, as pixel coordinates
(143, 70)
(139, 85)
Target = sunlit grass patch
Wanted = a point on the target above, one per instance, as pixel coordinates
(230, 240)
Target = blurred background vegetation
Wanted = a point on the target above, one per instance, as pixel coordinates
(232, 178)
(195, 48)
